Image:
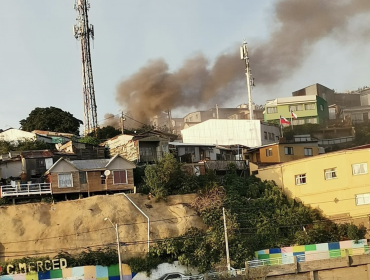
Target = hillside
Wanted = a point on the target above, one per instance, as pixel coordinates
(45, 229)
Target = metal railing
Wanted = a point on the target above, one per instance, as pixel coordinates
(309, 257)
(25, 189)
(336, 140)
(223, 164)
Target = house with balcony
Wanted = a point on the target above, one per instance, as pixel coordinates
(308, 109)
(143, 148)
(337, 183)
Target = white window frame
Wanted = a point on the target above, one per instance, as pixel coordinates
(287, 149)
(120, 183)
(271, 110)
(362, 199)
(307, 154)
(310, 106)
(269, 152)
(328, 173)
(299, 178)
(359, 165)
(65, 174)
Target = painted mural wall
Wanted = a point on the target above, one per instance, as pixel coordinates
(100, 273)
(314, 252)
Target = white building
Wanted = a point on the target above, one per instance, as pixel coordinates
(15, 135)
(250, 133)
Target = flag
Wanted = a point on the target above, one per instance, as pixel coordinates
(284, 120)
(293, 115)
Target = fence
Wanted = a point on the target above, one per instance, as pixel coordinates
(25, 189)
(304, 257)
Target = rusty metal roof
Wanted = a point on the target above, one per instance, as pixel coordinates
(37, 154)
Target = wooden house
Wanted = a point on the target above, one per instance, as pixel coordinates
(91, 176)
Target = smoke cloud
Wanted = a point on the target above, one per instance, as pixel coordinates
(299, 25)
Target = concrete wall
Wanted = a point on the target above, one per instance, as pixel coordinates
(229, 132)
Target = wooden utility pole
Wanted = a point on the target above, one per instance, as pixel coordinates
(122, 123)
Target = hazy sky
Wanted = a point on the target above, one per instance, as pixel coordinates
(40, 58)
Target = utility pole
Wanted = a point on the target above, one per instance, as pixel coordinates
(170, 126)
(123, 123)
(83, 31)
(216, 111)
(250, 83)
(226, 241)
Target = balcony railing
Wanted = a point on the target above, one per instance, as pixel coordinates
(223, 164)
(25, 190)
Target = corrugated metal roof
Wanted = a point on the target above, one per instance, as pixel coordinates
(90, 164)
(37, 154)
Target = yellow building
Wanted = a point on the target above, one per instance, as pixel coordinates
(283, 152)
(338, 183)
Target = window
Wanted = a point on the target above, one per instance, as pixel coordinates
(288, 150)
(308, 151)
(362, 199)
(120, 177)
(330, 173)
(311, 106)
(271, 110)
(359, 168)
(40, 163)
(65, 180)
(300, 179)
(272, 136)
(83, 177)
(268, 152)
(298, 121)
(265, 133)
(102, 177)
(269, 135)
(296, 107)
(321, 107)
(311, 120)
(255, 172)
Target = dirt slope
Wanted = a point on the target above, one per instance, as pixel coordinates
(45, 229)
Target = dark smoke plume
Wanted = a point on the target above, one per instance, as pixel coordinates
(299, 25)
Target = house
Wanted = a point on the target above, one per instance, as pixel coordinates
(25, 166)
(336, 183)
(330, 96)
(226, 132)
(15, 135)
(91, 176)
(148, 147)
(358, 114)
(77, 150)
(283, 152)
(57, 137)
(308, 109)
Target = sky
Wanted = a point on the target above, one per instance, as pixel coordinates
(40, 60)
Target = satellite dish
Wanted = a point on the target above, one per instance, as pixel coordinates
(107, 172)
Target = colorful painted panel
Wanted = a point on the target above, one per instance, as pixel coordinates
(315, 251)
(85, 272)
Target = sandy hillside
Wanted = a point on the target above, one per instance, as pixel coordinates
(45, 229)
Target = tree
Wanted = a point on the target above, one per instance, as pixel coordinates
(51, 119)
(23, 145)
(105, 132)
(89, 140)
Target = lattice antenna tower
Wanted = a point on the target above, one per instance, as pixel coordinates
(83, 31)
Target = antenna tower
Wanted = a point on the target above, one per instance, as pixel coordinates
(83, 31)
(250, 82)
